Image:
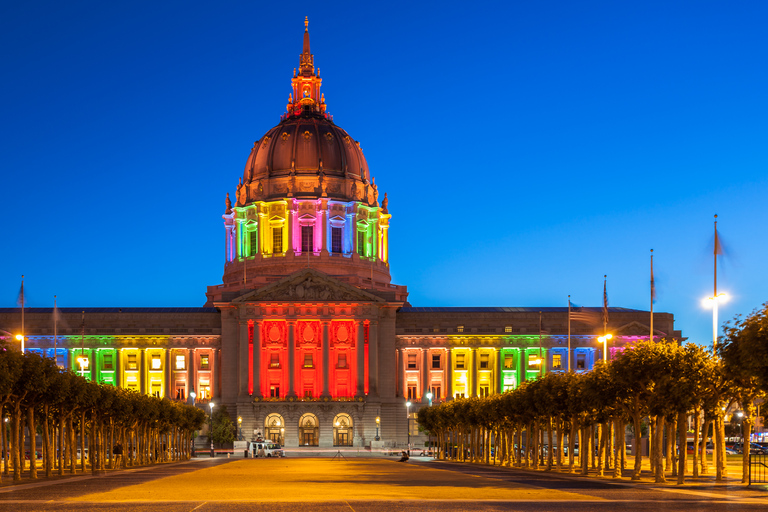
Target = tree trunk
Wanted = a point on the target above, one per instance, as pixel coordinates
(32, 442)
(609, 444)
(704, 463)
(669, 429)
(696, 441)
(619, 456)
(671, 437)
(719, 444)
(550, 445)
(559, 445)
(82, 441)
(682, 442)
(658, 432)
(746, 432)
(600, 447)
(571, 444)
(60, 454)
(15, 426)
(47, 458)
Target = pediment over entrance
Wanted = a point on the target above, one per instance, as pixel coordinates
(637, 329)
(308, 285)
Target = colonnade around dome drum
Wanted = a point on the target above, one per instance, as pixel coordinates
(318, 226)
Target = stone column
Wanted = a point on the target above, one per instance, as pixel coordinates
(499, 371)
(168, 374)
(191, 388)
(216, 373)
(425, 382)
(257, 359)
(360, 361)
(92, 358)
(119, 368)
(291, 358)
(142, 371)
(324, 228)
(400, 382)
(448, 375)
(242, 361)
(373, 359)
(326, 353)
(473, 381)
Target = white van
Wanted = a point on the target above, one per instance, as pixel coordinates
(269, 448)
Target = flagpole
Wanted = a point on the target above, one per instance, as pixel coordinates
(569, 334)
(652, 294)
(55, 330)
(714, 295)
(22, 313)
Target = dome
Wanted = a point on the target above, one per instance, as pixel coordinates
(313, 152)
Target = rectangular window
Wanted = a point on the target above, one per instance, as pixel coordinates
(581, 361)
(342, 361)
(460, 328)
(60, 360)
(534, 361)
(411, 361)
(307, 238)
(274, 360)
(181, 362)
(459, 361)
(253, 238)
(204, 361)
(361, 243)
(411, 392)
(483, 361)
(509, 361)
(435, 389)
(508, 328)
(308, 392)
(485, 391)
(274, 391)
(132, 364)
(435, 361)
(336, 240)
(82, 363)
(308, 360)
(181, 390)
(156, 362)
(277, 240)
(557, 362)
(154, 388)
(107, 362)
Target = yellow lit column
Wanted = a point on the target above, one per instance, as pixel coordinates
(167, 371)
(142, 372)
(119, 368)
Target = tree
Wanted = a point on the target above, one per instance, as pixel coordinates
(223, 428)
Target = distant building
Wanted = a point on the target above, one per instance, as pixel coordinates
(306, 338)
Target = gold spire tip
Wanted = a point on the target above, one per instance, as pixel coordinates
(306, 22)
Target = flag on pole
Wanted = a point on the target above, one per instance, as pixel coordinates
(584, 315)
(20, 297)
(653, 282)
(605, 300)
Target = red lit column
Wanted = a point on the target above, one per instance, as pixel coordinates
(257, 359)
(373, 366)
(360, 348)
(326, 350)
(291, 358)
(242, 363)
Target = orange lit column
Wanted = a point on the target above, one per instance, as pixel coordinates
(291, 357)
(326, 350)
(242, 364)
(360, 358)
(373, 365)
(398, 374)
(256, 359)
(190, 371)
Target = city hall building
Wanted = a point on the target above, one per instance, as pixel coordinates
(306, 338)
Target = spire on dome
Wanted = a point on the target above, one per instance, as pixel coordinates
(307, 66)
(306, 96)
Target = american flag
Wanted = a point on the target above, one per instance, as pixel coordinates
(605, 300)
(584, 315)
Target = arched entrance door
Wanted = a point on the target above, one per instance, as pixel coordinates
(342, 430)
(274, 428)
(309, 430)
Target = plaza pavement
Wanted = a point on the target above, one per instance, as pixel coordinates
(362, 485)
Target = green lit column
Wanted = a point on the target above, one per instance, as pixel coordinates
(92, 363)
(499, 371)
(118, 368)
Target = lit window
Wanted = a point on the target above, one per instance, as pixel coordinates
(308, 360)
(459, 361)
(181, 362)
(435, 390)
(274, 360)
(534, 361)
(204, 361)
(307, 238)
(107, 362)
(483, 361)
(277, 240)
(274, 391)
(557, 363)
(132, 364)
(336, 240)
(253, 238)
(435, 361)
(156, 363)
(361, 243)
(308, 393)
(342, 361)
(485, 391)
(411, 392)
(581, 361)
(411, 361)
(508, 328)
(509, 361)
(460, 328)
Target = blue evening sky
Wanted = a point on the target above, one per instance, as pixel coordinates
(528, 148)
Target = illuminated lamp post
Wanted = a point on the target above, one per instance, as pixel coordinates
(429, 397)
(713, 302)
(210, 429)
(83, 362)
(192, 395)
(378, 424)
(20, 337)
(408, 416)
(604, 341)
(239, 428)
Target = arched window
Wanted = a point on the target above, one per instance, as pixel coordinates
(309, 431)
(343, 431)
(274, 428)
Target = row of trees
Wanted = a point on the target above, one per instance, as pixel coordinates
(75, 417)
(663, 383)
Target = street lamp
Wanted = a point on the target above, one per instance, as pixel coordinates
(408, 416)
(239, 428)
(20, 337)
(429, 397)
(192, 395)
(713, 303)
(604, 341)
(378, 423)
(210, 430)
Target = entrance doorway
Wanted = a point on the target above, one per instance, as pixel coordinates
(309, 430)
(342, 430)
(274, 428)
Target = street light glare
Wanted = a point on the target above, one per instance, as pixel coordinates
(19, 337)
(408, 404)
(721, 298)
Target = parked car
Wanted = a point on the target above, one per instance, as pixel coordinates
(754, 448)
